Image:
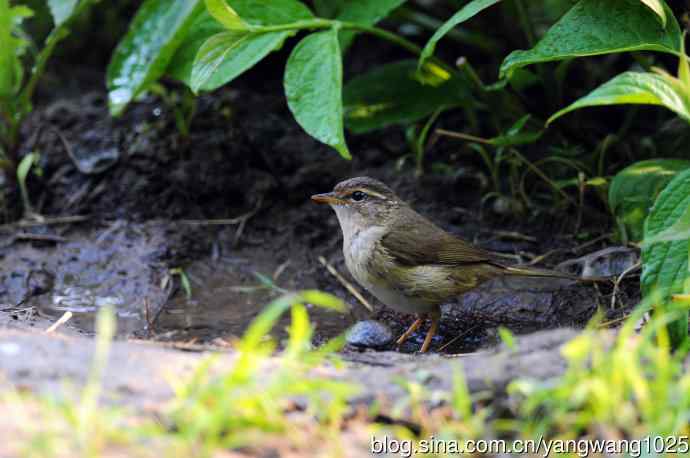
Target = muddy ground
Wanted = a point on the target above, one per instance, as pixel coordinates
(123, 205)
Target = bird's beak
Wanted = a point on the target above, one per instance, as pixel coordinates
(327, 198)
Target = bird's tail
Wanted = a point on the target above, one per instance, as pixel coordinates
(537, 272)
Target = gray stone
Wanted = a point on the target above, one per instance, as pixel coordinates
(369, 334)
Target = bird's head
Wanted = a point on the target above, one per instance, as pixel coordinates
(360, 203)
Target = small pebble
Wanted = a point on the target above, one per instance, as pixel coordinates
(369, 334)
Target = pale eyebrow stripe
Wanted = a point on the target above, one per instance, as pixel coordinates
(370, 192)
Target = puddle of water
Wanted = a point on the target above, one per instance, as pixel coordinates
(119, 266)
(227, 295)
(116, 265)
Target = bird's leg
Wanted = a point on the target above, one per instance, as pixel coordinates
(435, 318)
(413, 327)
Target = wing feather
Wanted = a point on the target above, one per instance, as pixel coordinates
(417, 241)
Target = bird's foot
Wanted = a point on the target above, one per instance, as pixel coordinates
(435, 319)
(413, 327)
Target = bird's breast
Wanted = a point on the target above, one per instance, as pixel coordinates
(374, 269)
(359, 249)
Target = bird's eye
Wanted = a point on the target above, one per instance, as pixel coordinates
(358, 196)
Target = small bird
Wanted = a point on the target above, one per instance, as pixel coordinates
(405, 260)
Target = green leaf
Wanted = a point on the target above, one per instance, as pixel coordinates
(507, 338)
(364, 12)
(212, 53)
(634, 190)
(391, 94)
(7, 53)
(466, 12)
(658, 7)
(683, 67)
(238, 59)
(41, 58)
(11, 49)
(300, 333)
(635, 88)
(328, 8)
(23, 170)
(221, 12)
(271, 12)
(515, 136)
(325, 300)
(679, 231)
(203, 28)
(143, 54)
(263, 323)
(61, 10)
(246, 54)
(594, 27)
(665, 264)
(313, 87)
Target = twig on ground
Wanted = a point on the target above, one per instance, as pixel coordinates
(613, 321)
(454, 339)
(575, 249)
(70, 219)
(150, 323)
(39, 220)
(514, 235)
(241, 221)
(348, 286)
(279, 271)
(581, 200)
(63, 319)
(619, 279)
(39, 237)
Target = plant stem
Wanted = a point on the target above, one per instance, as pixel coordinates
(309, 24)
(8, 139)
(384, 34)
(471, 75)
(421, 143)
(536, 170)
(320, 23)
(525, 22)
(463, 136)
(481, 41)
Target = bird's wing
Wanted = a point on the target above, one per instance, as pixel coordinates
(417, 241)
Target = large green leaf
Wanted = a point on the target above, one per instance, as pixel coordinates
(11, 48)
(7, 55)
(237, 58)
(328, 8)
(61, 10)
(466, 12)
(665, 264)
(313, 87)
(365, 12)
(634, 190)
(593, 27)
(635, 88)
(203, 28)
(680, 230)
(658, 7)
(271, 12)
(212, 53)
(244, 55)
(144, 53)
(391, 94)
